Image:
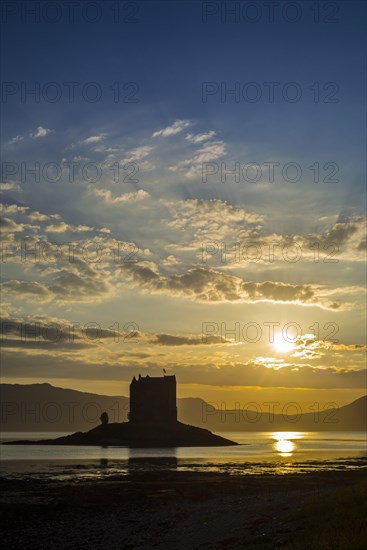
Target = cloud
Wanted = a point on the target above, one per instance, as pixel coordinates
(10, 226)
(208, 285)
(199, 138)
(170, 261)
(192, 167)
(138, 153)
(82, 228)
(42, 331)
(15, 139)
(63, 227)
(309, 346)
(36, 216)
(174, 340)
(89, 351)
(345, 239)
(10, 186)
(75, 280)
(200, 213)
(176, 128)
(27, 290)
(107, 197)
(80, 282)
(98, 364)
(41, 132)
(209, 151)
(341, 232)
(276, 291)
(13, 209)
(203, 223)
(94, 139)
(49, 332)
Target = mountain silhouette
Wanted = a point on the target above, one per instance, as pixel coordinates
(46, 408)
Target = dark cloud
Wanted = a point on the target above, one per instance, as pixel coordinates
(209, 285)
(341, 232)
(50, 333)
(8, 225)
(27, 290)
(79, 281)
(55, 334)
(172, 340)
(19, 364)
(276, 291)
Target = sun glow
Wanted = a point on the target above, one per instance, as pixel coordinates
(281, 345)
(284, 447)
(284, 444)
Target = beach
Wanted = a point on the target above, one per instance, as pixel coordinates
(167, 508)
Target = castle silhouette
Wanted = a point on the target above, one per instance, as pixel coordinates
(153, 400)
(152, 422)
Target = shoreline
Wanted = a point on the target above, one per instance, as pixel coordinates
(106, 468)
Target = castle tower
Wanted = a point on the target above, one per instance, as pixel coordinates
(153, 400)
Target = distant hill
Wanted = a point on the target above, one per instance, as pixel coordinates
(352, 417)
(45, 408)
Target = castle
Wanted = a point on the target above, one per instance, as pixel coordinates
(152, 422)
(153, 400)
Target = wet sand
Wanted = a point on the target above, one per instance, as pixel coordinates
(183, 509)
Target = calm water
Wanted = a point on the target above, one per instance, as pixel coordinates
(261, 452)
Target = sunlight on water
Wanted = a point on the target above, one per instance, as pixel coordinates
(284, 447)
(257, 453)
(284, 442)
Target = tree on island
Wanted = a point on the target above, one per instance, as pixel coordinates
(104, 419)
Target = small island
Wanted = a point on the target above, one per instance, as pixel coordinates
(152, 422)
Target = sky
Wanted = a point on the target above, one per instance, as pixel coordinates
(183, 187)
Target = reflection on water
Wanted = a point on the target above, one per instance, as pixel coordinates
(257, 453)
(284, 442)
(284, 447)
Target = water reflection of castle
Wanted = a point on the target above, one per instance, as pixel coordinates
(153, 400)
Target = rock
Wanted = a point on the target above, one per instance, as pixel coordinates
(127, 434)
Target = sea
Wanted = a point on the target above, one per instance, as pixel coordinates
(257, 453)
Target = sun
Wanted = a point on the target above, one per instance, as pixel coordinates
(282, 345)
